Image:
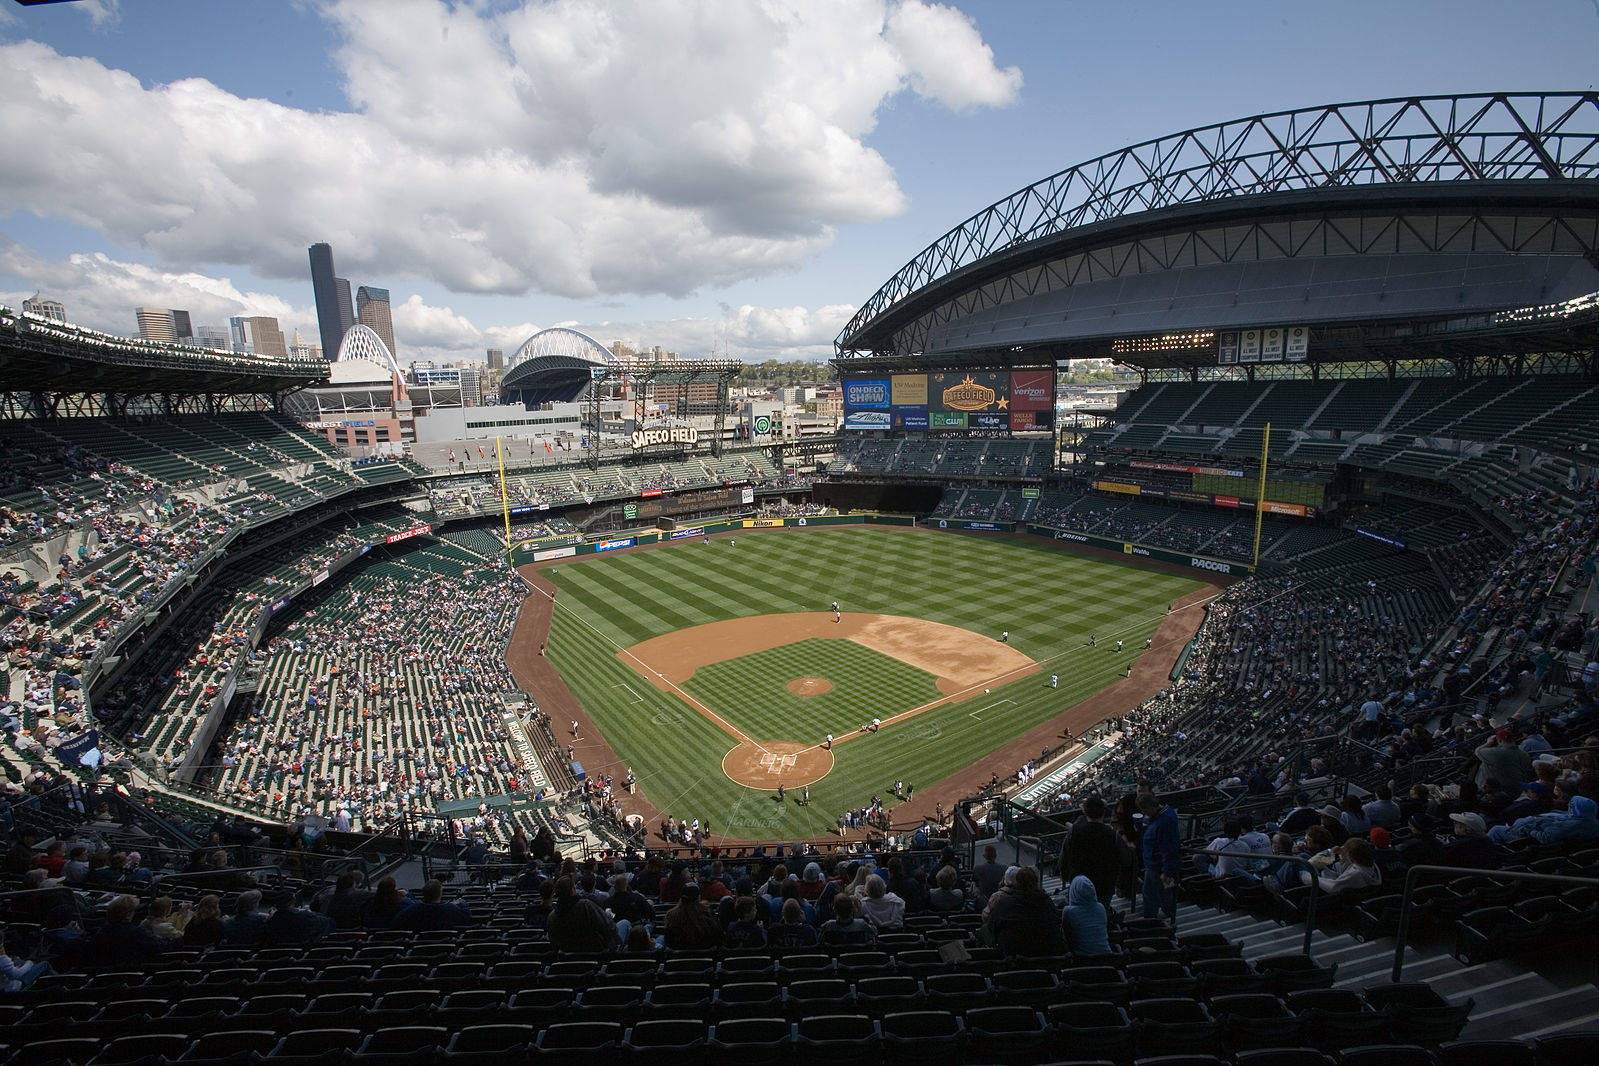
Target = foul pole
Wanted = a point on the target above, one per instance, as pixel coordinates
(505, 505)
(1260, 491)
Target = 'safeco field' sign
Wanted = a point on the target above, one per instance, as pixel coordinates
(643, 438)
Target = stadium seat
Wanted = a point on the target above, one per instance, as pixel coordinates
(1339, 1018)
(922, 1038)
(306, 1047)
(1258, 1020)
(1092, 1029)
(67, 1051)
(819, 995)
(144, 1049)
(406, 1043)
(1386, 1055)
(229, 1047)
(1282, 1056)
(1174, 1024)
(489, 1043)
(1421, 1015)
(1487, 1053)
(664, 1041)
(1569, 1049)
(847, 1039)
(1009, 1034)
(752, 1039)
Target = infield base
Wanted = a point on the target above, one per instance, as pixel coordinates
(776, 763)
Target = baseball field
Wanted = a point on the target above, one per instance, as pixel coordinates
(716, 669)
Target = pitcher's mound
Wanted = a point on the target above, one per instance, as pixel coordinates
(776, 763)
(809, 686)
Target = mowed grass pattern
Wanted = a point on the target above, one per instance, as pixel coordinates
(1050, 601)
(751, 691)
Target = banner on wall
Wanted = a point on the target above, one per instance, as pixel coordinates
(946, 420)
(746, 495)
(1227, 348)
(867, 420)
(866, 393)
(1117, 486)
(908, 390)
(988, 420)
(909, 417)
(554, 553)
(1032, 390)
(1271, 345)
(1249, 346)
(1297, 344)
(972, 391)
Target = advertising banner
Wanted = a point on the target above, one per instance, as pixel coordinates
(908, 390)
(650, 492)
(526, 508)
(867, 420)
(1117, 486)
(909, 417)
(867, 393)
(407, 534)
(554, 553)
(613, 545)
(1299, 509)
(977, 390)
(319, 577)
(746, 495)
(1372, 534)
(691, 531)
(946, 420)
(763, 523)
(1029, 494)
(988, 420)
(630, 510)
(1032, 390)
(1185, 468)
(1024, 419)
(1226, 501)
(280, 604)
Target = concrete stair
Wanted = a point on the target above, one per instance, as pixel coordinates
(1513, 1001)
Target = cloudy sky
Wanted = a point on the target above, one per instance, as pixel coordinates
(732, 176)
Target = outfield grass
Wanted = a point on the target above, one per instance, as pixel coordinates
(1049, 600)
(751, 692)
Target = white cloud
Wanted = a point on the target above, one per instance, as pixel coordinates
(949, 61)
(576, 147)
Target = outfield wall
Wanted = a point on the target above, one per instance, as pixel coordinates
(529, 552)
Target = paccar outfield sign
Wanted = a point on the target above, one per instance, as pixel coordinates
(643, 438)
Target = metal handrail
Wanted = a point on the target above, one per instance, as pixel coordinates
(1295, 860)
(1415, 872)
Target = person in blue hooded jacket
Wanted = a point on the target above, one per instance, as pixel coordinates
(1579, 821)
(1084, 920)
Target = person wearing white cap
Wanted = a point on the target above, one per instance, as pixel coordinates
(1470, 845)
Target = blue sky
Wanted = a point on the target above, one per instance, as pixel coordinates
(697, 175)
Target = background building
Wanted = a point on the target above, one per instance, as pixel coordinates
(212, 337)
(372, 311)
(45, 307)
(332, 318)
(164, 326)
(257, 334)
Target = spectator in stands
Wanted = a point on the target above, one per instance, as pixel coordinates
(792, 931)
(165, 921)
(1332, 820)
(18, 975)
(206, 927)
(847, 928)
(1238, 860)
(1020, 918)
(690, 924)
(1093, 849)
(1162, 856)
(1301, 818)
(119, 942)
(386, 903)
(293, 922)
(989, 874)
(946, 898)
(1382, 811)
(1577, 823)
(431, 912)
(347, 904)
(1085, 921)
(1353, 816)
(1350, 866)
(1501, 760)
(576, 923)
(627, 905)
(1470, 846)
(884, 909)
(744, 932)
(1421, 847)
(248, 921)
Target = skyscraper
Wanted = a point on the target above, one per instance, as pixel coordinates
(211, 337)
(163, 326)
(496, 358)
(259, 334)
(334, 314)
(372, 311)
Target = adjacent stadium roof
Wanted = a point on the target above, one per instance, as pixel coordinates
(1378, 225)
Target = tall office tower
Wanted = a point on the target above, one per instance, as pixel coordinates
(346, 306)
(300, 348)
(372, 311)
(258, 334)
(156, 324)
(332, 318)
(45, 308)
(496, 359)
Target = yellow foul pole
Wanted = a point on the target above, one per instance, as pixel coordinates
(1260, 491)
(505, 505)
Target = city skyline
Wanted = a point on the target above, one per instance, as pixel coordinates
(731, 184)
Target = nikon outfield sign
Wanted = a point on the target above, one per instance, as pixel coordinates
(644, 438)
